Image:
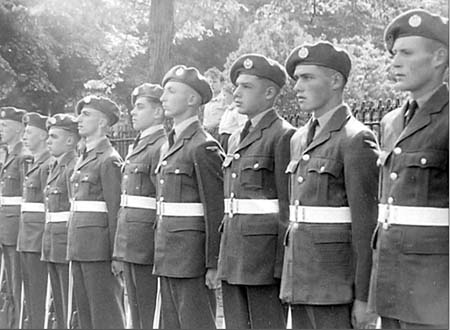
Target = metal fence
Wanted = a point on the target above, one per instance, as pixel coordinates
(368, 112)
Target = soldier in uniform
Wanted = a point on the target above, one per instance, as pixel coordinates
(92, 226)
(190, 206)
(256, 204)
(62, 142)
(32, 220)
(333, 198)
(409, 285)
(11, 176)
(134, 242)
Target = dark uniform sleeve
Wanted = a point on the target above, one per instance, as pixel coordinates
(208, 169)
(361, 181)
(282, 158)
(110, 177)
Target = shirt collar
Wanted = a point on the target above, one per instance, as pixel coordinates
(424, 98)
(180, 127)
(255, 120)
(150, 130)
(325, 118)
(94, 143)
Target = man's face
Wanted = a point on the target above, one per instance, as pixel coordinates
(88, 121)
(8, 130)
(216, 85)
(143, 113)
(33, 137)
(250, 95)
(412, 64)
(57, 141)
(175, 98)
(313, 87)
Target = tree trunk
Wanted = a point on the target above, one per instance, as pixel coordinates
(161, 33)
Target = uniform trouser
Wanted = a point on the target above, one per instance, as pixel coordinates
(252, 307)
(389, 323)
(34, 276)
(13, 283)
(59, 279)
(99, 295)
(321, 316)
(185, 304)
(141, 288)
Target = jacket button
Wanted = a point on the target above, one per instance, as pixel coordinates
(393, 176)
(233, 175)
(306, 157)
(177, 171)
(390, 200)
(423, 161)
(322, 168)
(161, 181)
(237, 156)
(397, 151)
(125, 176)
(164, 163)
(256, 165)
(300, 179)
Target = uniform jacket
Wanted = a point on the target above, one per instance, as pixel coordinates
(251, 250)
(330, 263)
(32, 224)
(11, 185)
(134, 240)
(410, 274)
(96, 178)
(189, 172)
(54, 240)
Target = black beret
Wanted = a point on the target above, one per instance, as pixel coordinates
(321, 54)
(152, 91)
(416, 22)
(12, 113)
(260, 66)
(63, 120)
(35, 119)
(191, 77)
(102, 104)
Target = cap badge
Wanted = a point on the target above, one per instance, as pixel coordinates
(52, 121)
(3, 114)
(415, 21)
(179, 72)
(87, 99)
(303, 52)
(248, 64)
(135, 92)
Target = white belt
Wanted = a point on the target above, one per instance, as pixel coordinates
(319, 214)
(88, 206)
(32, 207)
(14, 200)
(250, 206)
(140, 202)
(412, 215)
(180, 209)
(57, 216)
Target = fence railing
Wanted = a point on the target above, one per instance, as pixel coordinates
(368, 112)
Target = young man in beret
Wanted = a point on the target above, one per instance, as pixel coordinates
(92, 226)
(333, 198)
(134, 242)
(62, 142)
(189, 205)
(256, 199)
(11, 177)
(409, 285)
(32, 220)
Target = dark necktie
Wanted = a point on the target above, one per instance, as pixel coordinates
(311, 131)
(171, 137)
(246, 129)
(136, 141)
(412, 107)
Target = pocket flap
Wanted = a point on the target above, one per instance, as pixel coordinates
(259, 227)
(425, 159)
(428, 241)
(138, 168)
(257, 163)
(322, 165)
(92, 220)
(89, 177)
(333, 236)
(184, 224)
(187, 169)
(292, 167)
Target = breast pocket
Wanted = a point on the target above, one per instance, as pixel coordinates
(54, 199)
(327, 176)
(139, 178)
(32, 190)
(11, 184)
(180, 177)
(257, 171)
(333, 247)
(89, 184)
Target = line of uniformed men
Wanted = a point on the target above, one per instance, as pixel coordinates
(285, 216)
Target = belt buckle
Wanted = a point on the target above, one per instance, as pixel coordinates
(159, 207)
(386, 217)
(230, 206)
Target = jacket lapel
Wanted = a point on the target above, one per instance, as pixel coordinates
(67, 158)
(146, 141)
(16, 150)
(423, 116)
(38, 162)
(339, 118)
(185, 135)
(92, 155)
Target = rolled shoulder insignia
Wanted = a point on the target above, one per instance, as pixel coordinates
(248, 64)
(415, 21)
(303, 52)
